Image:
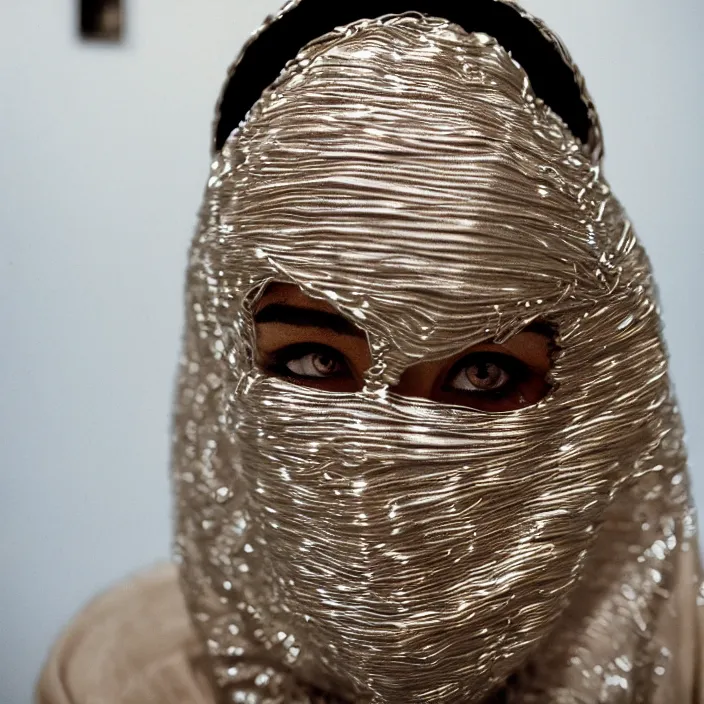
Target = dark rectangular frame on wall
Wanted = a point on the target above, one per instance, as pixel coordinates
(101, 20)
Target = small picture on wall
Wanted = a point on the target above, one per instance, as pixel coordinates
(101, 20)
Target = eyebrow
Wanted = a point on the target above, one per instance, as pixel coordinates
(307, 318)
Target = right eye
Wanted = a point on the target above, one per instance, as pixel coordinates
(316, 362)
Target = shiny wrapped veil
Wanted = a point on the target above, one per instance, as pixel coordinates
(433, 171)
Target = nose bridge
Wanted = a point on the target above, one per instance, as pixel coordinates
(400, 371)
(417, 380)
(406, 363)
(391, 367)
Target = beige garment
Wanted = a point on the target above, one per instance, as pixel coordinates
(135, 645)
(131, 645)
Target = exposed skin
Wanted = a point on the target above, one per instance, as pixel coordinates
(296, 342)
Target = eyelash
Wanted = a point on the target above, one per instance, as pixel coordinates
(517, 370)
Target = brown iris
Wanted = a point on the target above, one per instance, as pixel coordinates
(486, 376)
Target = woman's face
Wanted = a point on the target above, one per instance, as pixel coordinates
(308, 342)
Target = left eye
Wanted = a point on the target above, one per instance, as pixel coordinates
(316, 365)
(482, 374)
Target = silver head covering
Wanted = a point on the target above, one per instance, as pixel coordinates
(366, 547)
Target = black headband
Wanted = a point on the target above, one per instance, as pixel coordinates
(553, 80)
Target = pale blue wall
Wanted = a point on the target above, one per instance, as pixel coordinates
(103, 156)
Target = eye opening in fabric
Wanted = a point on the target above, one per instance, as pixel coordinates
(308, 342)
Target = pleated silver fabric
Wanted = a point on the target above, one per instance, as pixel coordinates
(370, 548)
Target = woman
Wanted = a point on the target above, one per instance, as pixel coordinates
(425, 444)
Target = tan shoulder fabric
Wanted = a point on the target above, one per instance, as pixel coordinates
(132, 645)
(135, 645)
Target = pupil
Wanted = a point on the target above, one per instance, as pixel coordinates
(482, 371)
(485, 375)
(324, 364)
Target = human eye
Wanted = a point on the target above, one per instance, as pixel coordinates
(487, 373)
(309, 361)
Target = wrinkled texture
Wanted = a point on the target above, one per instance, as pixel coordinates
(371, 548)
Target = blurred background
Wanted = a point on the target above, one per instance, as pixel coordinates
(103, 158)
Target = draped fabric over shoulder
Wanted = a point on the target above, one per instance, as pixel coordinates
(133, 645)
